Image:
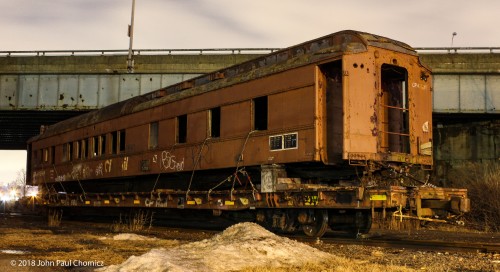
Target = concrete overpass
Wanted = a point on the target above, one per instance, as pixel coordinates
(43, 87)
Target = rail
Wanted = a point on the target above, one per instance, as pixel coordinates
(427, 50)
(201, 51)
(138, 52)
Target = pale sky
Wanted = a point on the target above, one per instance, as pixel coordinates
(171, 24)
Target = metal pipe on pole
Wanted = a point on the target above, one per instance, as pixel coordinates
(130, 60)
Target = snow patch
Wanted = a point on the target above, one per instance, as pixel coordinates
(239, 246)
(131, 237)
(11, 251)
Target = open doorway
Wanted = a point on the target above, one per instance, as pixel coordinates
(395, 115)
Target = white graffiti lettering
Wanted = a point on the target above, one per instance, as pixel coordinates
(125, 164)
(169, 162)
(159, 203)
(98, 170)
(107, 166)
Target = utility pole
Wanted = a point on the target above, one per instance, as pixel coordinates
(130, 60)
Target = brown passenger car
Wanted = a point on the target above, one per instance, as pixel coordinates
(320, 134)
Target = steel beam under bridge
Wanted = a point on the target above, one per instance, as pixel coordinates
(43, 87)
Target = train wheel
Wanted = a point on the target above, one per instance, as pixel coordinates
(315, 222)
(363, 222)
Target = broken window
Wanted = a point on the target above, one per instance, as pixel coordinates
(114, 142)
(214, 124)
(121, 139)
(181, 129)
(102, 140)
(95, 143)
(153, 135)
(260, 113)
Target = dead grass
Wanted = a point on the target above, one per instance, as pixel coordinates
(482, 181)
(50, 246)
(135, 221)
(333, 265)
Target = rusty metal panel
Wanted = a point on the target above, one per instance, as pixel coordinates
(8, 89)
(197, 127)
(294, 107)
(129, 86)
(28, 91)
(88, 86)
(68, 91)
(446, 93)
(149, 83)
(472, 93)
(109, 87)
(492, 94)
(235, 119)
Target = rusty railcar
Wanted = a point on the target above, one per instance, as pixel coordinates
(330, 132)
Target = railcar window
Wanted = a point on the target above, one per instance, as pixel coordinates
(83, 148)
(64, 153)
(114, 142)
(102, 140)
(88, 150)
(77, 149)
(35, 157)
(260, 113)
(95, 143)
(153, 135)
(70, 151)
(45, 155)
(53, 154)
(214, 123)
(121, 139)
(181, 129)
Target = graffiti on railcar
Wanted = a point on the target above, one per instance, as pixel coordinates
(169, 161)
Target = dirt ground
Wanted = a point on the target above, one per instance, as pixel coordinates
(28, 244)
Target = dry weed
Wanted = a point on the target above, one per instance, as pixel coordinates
(482, 181)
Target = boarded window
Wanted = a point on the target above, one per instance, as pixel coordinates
(153, 135)
(260, 113)
(83, 149)
(214, 124)
(95, 143)
(181, 128)
(64, 153)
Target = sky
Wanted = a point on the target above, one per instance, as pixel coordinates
(178, 24)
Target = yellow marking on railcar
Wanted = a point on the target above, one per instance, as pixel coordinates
(198, 201)
(136, 201)
(106, 201)
(378, 197)
(229, 203)
(87, 202)
(244, 201)
(191, 202)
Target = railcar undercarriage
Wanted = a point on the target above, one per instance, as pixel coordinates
(274, 199)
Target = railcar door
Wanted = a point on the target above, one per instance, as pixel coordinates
(395, 132)
(332, 83)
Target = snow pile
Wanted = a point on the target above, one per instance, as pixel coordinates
(240, 246)
(131, 237)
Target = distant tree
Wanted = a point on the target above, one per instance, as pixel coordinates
(19, 184)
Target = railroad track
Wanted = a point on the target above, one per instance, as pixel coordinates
(374, 239)
(391, 242)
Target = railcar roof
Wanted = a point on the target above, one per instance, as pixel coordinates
(336, 44)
